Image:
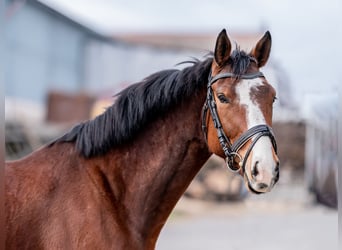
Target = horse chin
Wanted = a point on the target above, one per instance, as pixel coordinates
(249, 186)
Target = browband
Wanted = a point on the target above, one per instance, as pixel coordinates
(231, 75)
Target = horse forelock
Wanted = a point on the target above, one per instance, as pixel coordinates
(136, 106)
(240, 61)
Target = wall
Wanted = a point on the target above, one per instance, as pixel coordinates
(43, 51)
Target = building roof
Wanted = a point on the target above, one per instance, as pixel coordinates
(14, 6)
(190, 40)
(167, 40)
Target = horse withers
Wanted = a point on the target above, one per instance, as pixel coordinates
(111, 182)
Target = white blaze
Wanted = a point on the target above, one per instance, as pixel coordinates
(262, 150)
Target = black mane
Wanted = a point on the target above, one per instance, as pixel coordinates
(142, 103)
(136, 106)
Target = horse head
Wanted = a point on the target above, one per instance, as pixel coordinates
(239, 101)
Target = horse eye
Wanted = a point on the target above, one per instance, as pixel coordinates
(274, 99)
(223, 98)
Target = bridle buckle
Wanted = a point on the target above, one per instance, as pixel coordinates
(230, 162)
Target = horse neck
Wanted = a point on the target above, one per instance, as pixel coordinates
(148, 176)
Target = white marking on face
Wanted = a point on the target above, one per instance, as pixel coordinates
(254, 114)
(262, 153)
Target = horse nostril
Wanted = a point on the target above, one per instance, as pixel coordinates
(276, 178)
(276, 169)
(255, 171)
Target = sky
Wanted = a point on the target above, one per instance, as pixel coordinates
(306, 35)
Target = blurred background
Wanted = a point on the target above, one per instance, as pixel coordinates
(65, 59)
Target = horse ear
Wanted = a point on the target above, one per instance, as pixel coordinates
(222, 48)
(262, 50)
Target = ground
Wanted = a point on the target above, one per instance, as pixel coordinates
(285, 219)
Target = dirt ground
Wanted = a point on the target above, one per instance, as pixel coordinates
(285, 219)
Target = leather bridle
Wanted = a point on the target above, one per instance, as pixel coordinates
(255, 133)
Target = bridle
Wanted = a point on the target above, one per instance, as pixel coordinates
(255, 133)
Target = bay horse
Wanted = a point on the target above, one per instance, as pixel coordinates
(111, 182)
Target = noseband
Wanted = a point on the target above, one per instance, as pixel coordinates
(231, 150)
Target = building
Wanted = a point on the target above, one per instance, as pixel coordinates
(321, 146)
(47, 50)
(44, 50)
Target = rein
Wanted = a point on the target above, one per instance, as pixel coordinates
(231, 150)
